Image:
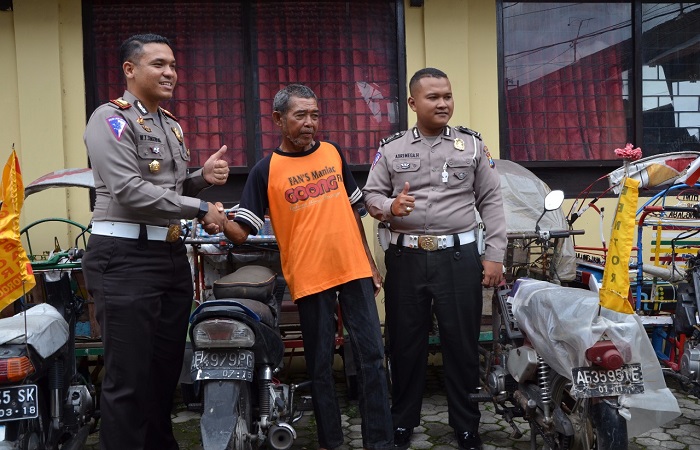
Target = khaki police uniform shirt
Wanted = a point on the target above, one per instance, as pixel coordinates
(140, 168)
(442, 206)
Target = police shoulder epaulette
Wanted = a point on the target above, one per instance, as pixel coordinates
(469, 131)
(169, 114)
(394, 136)
(121, 103)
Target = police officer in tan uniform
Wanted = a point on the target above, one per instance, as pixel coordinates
(136, 265)
(424, 184)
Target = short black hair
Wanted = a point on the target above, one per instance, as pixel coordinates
(132, 48)
(423, 73)
(281, 101)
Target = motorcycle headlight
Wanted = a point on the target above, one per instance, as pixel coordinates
(222, 333)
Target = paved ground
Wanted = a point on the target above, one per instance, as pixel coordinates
(435, 434)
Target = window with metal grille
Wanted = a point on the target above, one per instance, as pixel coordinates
(579, 80)
(233, 57)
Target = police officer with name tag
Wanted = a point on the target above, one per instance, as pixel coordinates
(135, 264)
(425, 184)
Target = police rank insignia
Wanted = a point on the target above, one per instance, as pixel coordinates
(178, 135)
(154, 166)
(143, 125)
(492, 164)
(459, 144)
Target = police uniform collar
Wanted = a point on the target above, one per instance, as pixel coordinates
(140, 108)
(447, 132)
(416, 134)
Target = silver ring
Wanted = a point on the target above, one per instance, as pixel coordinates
(409, 209)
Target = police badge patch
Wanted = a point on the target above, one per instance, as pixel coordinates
(492, 164)
(117, 125)
(377, 157)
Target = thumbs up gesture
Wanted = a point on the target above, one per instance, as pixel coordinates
(215, 169)
(404, 203)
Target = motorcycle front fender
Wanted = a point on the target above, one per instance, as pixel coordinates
(220, 415)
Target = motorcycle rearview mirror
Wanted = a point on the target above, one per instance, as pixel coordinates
(552, 201)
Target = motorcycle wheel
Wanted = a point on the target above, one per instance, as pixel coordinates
(245, 421)
(584, 437)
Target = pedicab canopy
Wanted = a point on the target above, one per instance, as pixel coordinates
(523, 200)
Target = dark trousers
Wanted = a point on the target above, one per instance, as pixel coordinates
(318, 327)
(450, 281)
(143, 297)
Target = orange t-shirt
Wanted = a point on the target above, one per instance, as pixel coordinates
(310, 197)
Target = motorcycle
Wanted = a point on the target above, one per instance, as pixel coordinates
(565, 414)
(45, 403)
(237, 349)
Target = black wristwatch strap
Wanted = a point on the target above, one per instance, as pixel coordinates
(203, 209)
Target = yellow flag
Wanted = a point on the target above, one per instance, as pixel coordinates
(616, 283)
(16, 276)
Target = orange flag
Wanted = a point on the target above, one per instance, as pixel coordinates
(16, 276)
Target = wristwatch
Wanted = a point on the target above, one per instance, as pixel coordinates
(203, 209)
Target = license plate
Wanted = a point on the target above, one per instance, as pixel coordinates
(598, 382)
(18, 402)
(222, 365)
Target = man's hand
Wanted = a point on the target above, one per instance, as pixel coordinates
(404, 203)
(215, 220)
(215, 169)
(493, 273)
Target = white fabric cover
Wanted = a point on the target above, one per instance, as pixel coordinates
(563, 322)
(46, 330)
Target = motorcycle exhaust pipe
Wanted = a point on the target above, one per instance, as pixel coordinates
(281, 436)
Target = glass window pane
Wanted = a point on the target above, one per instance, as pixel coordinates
(671, 67)
(207, 40)
(566, 67)
(346, 52)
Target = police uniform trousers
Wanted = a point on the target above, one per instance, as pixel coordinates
(447, 281)
(143, 296)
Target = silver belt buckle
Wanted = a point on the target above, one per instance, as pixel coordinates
(174, 232)
(428, 243)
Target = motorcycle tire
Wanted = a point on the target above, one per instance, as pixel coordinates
(601, 429)
(245, 419)
(31, 433)
(238, 396)
(584, 437)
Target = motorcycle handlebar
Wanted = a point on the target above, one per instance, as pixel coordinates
(551, 234)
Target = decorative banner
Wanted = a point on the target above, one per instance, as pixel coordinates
(16, 276)
(614, 293)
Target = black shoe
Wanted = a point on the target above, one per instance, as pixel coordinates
(469, 440)
(402, 437)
